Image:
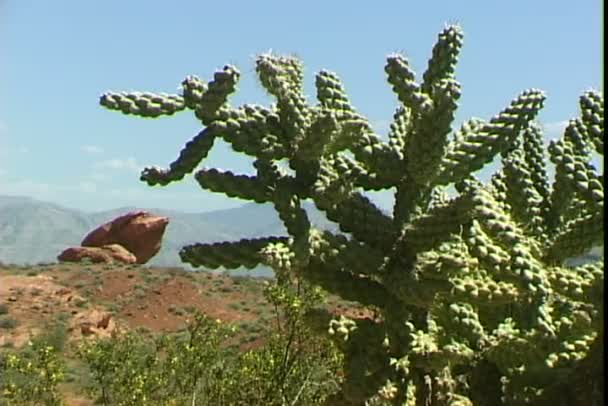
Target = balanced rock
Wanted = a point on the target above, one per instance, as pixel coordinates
(139, 232)
(106, 254)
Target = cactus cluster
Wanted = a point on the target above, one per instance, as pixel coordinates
(468, 288)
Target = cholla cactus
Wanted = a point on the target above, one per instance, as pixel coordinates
(470, 288)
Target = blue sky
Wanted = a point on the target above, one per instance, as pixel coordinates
(56, 58)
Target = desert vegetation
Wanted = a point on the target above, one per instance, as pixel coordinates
(189, 358)
(467, 297)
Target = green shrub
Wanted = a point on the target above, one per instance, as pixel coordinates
(197, 366)
(54, 335)
(8, 323)
(3, 308)
(121, 368)
(132, 369)
(79, 285)
(31, 376)
(294, 366)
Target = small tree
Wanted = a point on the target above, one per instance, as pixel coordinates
(124, 369)
(476, 303)
(198, 368)
(294, 366)
(196, 365)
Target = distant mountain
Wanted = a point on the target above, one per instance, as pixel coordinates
(33, 231)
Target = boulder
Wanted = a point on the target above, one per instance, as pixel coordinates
(86, 329)
(93, 323)
(106, 254)
(139, 232)
(104, 321)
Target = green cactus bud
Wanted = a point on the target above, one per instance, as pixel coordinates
(194, 152)
(402, 78)
(348, 255)
(577, 237)
(445, 56)
(521, 194)
(478, 148)
(360, 217)
(575, 135)
(574, 283)
(322, 131)
(426, 146)
(533, 145)
(282, 78)
(342, 326)
(578, 175)
(245, 252)
(193, 89)
(592, 115)
(398, 131)
(279, 256)
(210, 105)
(331, 93)
(426, 231)
(239, 186)
(143, 104)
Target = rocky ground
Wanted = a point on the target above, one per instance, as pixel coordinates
(83, 301)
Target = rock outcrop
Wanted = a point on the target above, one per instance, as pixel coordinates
(131, 238)
(105, 254)
(93, 323)
(139, 232)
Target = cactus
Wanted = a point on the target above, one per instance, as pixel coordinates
(474, 300)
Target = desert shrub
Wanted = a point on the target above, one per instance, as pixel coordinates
(79, 285)
(81, 303)
(54, 335)
(176, 310)
(3, 308)
(197, 367)
(140, 292)
(122, 369)
(8, 323)
(130, 369)
(295, 366)
(31, 376)
(190, 309)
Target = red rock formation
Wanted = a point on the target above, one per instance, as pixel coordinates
(105, 321)
(106, 254)
(86, 329)
(139, 232)
(93, 322)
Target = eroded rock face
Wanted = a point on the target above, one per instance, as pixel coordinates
(105, 254)
(139, 232)
(93, 323)
(104, 322)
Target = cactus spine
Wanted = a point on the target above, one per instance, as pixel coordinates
(467, 287)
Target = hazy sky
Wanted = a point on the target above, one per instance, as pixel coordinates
(57, 57)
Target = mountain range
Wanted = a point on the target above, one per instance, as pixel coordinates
(33, 231)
